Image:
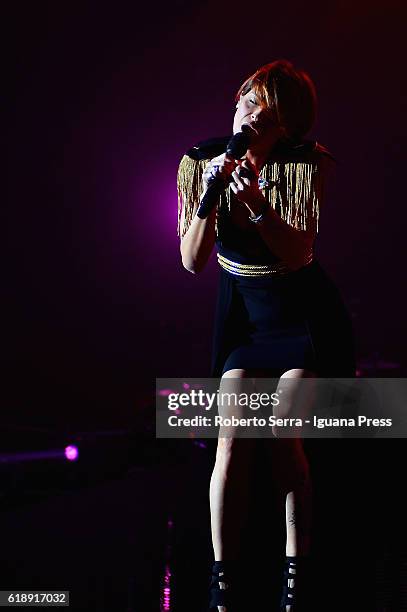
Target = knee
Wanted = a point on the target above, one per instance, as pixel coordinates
(232, 381)
(298, 373)
(234, 373)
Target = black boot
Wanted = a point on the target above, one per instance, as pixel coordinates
(294, 583)
(221, 586)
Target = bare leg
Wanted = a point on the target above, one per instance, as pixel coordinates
(230, 479)
(229, 485)
(298, 501)
(229, 495)
(290, 468)
(298, 520)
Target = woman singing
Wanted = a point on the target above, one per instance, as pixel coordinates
(278, 313)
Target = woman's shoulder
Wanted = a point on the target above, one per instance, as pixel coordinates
(284, 150)
(304, 150)
(206, 149)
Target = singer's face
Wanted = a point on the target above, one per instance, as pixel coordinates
(261, 119)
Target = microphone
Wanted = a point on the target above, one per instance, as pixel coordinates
(236, 148)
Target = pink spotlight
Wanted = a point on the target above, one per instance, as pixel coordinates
(165, 392)
(71, 453)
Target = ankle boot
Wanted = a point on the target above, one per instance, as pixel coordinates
(221, 585)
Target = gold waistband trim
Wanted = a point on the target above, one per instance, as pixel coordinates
(251, 269)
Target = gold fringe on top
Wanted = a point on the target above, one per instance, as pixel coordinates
(189, 184)
(294, 189)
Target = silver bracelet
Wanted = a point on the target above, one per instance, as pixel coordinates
(260, 217)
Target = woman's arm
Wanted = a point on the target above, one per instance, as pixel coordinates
(293, 246)
(197, 242)
(198, 239)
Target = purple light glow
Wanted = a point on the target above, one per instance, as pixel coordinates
(166, 596)
(71, 453)
(200, 444)
(165, 392)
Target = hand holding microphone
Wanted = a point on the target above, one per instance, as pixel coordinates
(219, 168)
(218, 171)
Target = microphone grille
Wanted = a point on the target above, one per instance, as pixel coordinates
(238, 144)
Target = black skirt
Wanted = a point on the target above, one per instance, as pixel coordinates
(277, 323)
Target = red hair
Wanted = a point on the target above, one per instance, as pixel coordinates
(290, 93)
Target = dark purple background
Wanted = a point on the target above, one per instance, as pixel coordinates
(103, 103)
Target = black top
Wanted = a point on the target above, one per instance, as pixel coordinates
(245, 244)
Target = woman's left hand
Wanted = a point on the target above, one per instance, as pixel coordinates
(245, 185)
